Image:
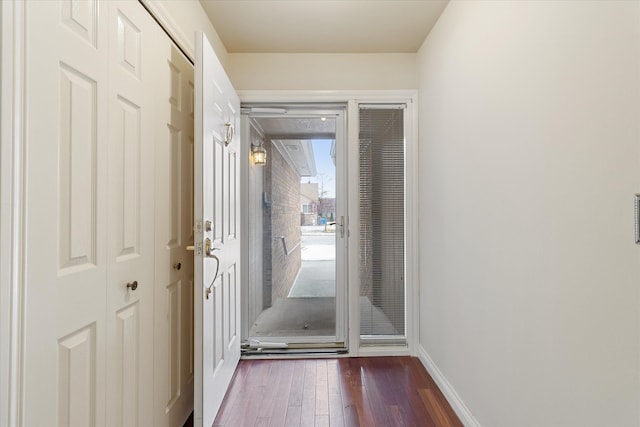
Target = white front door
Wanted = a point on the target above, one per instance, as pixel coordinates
(217, 242)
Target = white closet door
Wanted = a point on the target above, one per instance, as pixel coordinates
(173, 355)
(66, 213)
(135, 42)
(93, 115)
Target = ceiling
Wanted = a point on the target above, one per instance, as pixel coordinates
(292, 136)
(323, 26)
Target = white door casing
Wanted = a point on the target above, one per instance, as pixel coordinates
(217, 276)
(11, 218)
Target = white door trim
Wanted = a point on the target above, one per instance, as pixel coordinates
(352, 98)
(284, 96)
(11, 216)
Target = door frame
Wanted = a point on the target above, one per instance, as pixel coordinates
(12, 144)
(353, 99)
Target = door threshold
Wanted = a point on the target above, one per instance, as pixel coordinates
(259, 348)
(292, 353)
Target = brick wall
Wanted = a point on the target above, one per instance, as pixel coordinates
(281, 219)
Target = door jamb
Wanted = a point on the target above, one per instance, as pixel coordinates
(353, 98)
(12, 143)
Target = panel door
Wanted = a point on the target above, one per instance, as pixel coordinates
(217, 217)
(134, 56)
(66, 217)
(173, 355)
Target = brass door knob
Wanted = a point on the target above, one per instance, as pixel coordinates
(133, 285)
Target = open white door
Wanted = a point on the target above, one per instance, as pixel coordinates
(217, 242)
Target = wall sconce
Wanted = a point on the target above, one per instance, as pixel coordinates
(259, 154)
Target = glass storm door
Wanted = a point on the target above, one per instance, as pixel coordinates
(296, 238)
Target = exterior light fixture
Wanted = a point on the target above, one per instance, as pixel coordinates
(259, 154)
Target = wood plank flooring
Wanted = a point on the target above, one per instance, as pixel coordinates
(366, 392)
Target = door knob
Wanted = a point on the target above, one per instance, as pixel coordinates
(133, 285)
(177, 266)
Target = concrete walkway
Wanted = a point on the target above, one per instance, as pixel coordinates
(297, 317)
(318, 271)
(310, 308)
(316, 279)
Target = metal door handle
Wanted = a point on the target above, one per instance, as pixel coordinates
(208, 248)
(133, 285)
(342, 226)
(177, 266)
(208, 291)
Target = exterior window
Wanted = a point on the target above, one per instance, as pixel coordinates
(382, 224)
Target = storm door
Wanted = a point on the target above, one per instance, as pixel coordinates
(296, 292)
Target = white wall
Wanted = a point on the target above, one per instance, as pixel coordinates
(530, 154)
(302, 71)
(282, 71)
(189, 17)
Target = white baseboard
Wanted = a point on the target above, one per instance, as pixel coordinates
(447, 390)
(383, 351)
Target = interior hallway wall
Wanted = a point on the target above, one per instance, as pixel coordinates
(317, 71)
(530, 158)
(189, 17)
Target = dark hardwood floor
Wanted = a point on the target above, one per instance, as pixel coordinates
(366, 392)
